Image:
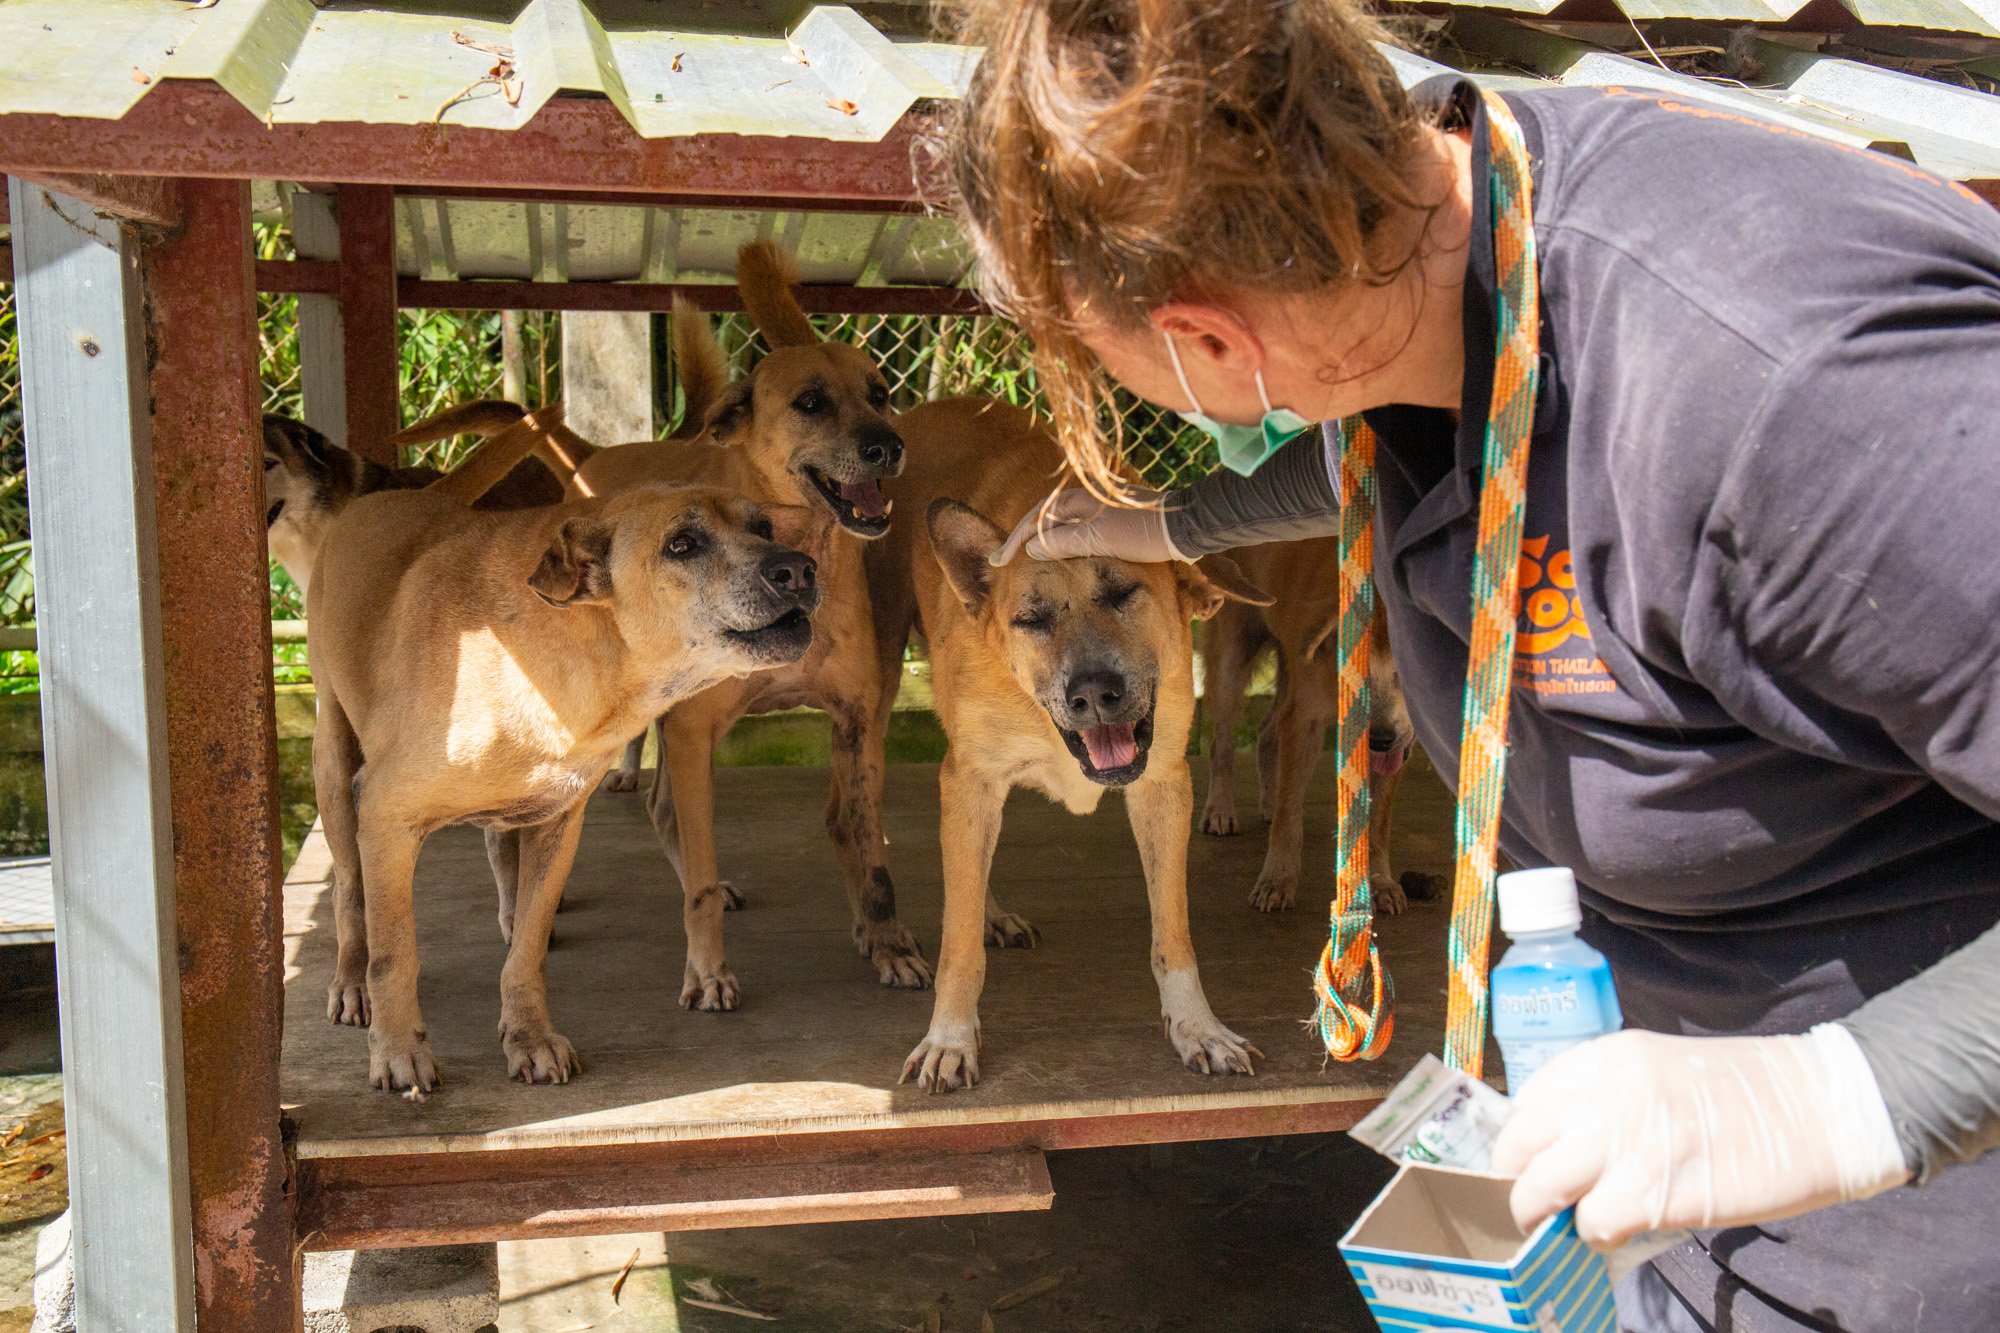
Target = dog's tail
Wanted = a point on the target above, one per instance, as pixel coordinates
(559, 447)
(486, 466)
(700, 363)
(766, 275)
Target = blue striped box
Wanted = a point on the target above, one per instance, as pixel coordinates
(1438, 1249)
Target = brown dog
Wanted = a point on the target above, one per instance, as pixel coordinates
(809, 426)
(1067, 676)
(1295, 627)
(486, 668)
(308, 479)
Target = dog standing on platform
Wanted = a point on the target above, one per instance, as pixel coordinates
(1068, 676)
(1296, 629)
(486, 668)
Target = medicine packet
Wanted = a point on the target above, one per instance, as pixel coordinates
(1439, 1116)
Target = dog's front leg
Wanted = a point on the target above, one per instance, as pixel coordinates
(536, 1052)
(1298, 719)
(1161, 805)
(336, 758)
(970, 803)
(854, 821)
(684, 817)
(399, 1050)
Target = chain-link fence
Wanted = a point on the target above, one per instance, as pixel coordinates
(454, 356)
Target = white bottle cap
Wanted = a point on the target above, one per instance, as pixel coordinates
(1533, 901)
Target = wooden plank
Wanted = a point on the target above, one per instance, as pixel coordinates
(367, 215)
(186, 128)
(222, 754)
(1073, 1049)
(381, 1211)
(322, 353)
(90, 482)
(146, 199)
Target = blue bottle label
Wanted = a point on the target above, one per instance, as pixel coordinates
(1542, 1010)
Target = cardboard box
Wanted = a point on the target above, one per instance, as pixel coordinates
(1438, 1249)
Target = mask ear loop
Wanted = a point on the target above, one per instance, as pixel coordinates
(1174, 355)
(1263, 397)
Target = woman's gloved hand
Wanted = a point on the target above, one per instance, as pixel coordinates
(1074, 522)
(1643, 1132)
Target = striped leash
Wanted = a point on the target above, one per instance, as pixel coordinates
(1356, 1013)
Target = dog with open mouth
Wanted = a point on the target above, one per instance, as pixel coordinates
(486, 668)
(1072, 677)
(809, 426)
(1296, 630)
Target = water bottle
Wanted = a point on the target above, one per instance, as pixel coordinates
(1551, 991)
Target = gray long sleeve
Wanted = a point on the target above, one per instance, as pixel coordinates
(1934, 1043)
(1290, 497)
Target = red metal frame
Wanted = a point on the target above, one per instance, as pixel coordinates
(222, 752)
(573, 144)
(366, 283)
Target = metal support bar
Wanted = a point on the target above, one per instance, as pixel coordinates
(367, 216)
(222, 756)
(146, 199)
(90, 482)
(712, 297)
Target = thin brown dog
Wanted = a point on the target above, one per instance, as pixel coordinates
(486, 668)
(1295, 627)
(1067, 676)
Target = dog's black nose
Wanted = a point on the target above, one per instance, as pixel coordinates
(884, 450)
(1094, 696)
(788, 573)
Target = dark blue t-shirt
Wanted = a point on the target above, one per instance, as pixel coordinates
(1757, 703)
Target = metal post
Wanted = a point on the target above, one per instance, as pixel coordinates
(222, 756)
(84, 381)
(368, 317)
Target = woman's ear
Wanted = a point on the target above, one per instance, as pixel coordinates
(1211, 336)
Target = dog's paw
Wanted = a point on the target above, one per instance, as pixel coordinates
(1388, 895)
(1218, 819)
(732, 899)
(947, 1058)
(347, 1003)
(1421, 887)
(1207, 1047)
(537, 1053)
(717, 993)
(1274, 893)
(894, 952)
(401, 1063)
(1010, 930)
(620, 780)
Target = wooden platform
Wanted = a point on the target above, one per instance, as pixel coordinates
(803, 1076)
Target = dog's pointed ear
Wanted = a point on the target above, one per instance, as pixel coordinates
(576, 568)
(802, 527)
(1213, 580)
(285, 435)
(963, 538)
(730, 416)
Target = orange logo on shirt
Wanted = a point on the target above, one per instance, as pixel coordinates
(1549, 604)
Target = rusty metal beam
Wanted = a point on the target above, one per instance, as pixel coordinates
(775, 203)
(222, 755)
(144, 199)
(319, 277)
(367, 289)
(389, 1200)
(572, 144)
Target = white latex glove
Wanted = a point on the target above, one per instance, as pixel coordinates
(1075, 523)
(1643, 1132)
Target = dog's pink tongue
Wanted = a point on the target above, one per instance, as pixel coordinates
(866, 497)
(1110, 747)
(1386, 763)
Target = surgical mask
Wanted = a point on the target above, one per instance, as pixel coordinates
(1243, 449)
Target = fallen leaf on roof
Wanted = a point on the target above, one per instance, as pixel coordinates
(796, 55)
(140, 76)
(504, 52)
(619, 1284)
(843, 106)
(39, 1172)
(779, 84)
(676, 66)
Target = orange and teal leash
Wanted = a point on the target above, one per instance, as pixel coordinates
(1356, 1012)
